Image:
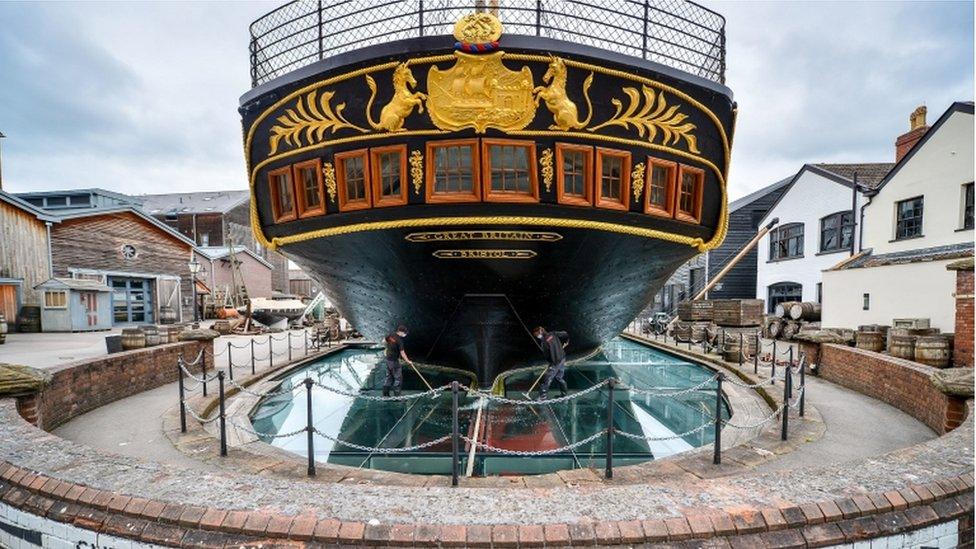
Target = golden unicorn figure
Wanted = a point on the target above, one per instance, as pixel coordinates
(402, 104)
(563, 110)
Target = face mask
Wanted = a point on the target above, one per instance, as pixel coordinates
(538, 336)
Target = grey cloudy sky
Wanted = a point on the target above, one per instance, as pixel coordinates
(142, 97)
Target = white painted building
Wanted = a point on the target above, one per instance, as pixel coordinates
(816, 230)
(918, 220)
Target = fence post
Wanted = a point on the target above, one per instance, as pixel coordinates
(253, 369)
(455, 434)
(320, 30)
(717, 456)
(772, 374)
(790, 371)
(309, 428)
(420, 18)
(230, 363)
(305, 333)
(784, 433)
(742, 351)
(203, 370)
(755, 358)
(610, 405)
(721, 341)
(538, 17)
(179, 375)
(223, 424)
(289, 346)
(644, 44)
(270, 351)
(803, 384)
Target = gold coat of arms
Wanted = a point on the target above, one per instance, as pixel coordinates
(480, 92)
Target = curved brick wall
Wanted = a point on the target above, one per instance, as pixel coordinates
(901, 383)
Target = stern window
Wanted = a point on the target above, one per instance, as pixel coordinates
(353, 180)
(308, 179)
(389, 175)
(509, 171)
(282, 195)
(575, 173)
(689, 201)
(613, 173)
(660, 187)
(451, 171)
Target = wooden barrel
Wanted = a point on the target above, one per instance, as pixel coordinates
(783, 309)
(806, 310)
(731, 350)
(152, 335)
(682, 330)
(30, 319)
(3, 329)
(790, 329)
(222, 326)
(870, 340)
(933, 351)
(133, 338)
(924, 331)
(167, 315)
(775, 328)
(902, 346)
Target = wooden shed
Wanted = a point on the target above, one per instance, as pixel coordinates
(75, 305)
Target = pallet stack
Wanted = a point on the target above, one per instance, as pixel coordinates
(735, 318)
(694, 320)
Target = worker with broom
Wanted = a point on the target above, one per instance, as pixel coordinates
(394, 352)
(553, 346)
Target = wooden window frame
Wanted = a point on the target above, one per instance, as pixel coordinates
(62, 296)
(921, 218)
(380, 201)
(345, 205)
(561, 196)
(670, 187)
(303, 209)
(276, 212)
(610, 204)
(434, 197)
(697, 194)
(491, 195)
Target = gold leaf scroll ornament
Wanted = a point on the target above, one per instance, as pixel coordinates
(328, 171)
(545, 160)
(417, 170)
(311, 116)
(653, 117)
(637, 180)
(478, 28)
(402, 103)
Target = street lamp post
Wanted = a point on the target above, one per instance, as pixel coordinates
(194, 266)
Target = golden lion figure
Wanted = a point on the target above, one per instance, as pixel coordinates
(402, 104)
(563, 110)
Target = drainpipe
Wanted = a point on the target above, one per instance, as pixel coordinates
(854, 222)
(50, 255)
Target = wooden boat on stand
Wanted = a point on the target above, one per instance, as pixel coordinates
(473, 171)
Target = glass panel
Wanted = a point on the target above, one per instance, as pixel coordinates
(310, 188)
(283, 188)
(574, 176)
(355, 177)
(686, 202)
(659, 186)
(453, 169)
(390, 163)
(909, 218)
(509, 168)
(967, 215)
(611, 178)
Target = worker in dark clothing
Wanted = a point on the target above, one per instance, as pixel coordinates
(553, 346)
(394, 352)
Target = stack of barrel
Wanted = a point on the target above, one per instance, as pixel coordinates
(149, 335)
(913, 341)
(738, 320)
(694, 320)
(791, 317)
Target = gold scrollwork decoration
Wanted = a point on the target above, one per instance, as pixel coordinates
(312, 116)
(545, 160)
(417, 170)
(654, 116)
(564, 111)
(450, 236)
(402, 103)
(637, 180)
(484, 254)
(328, 172)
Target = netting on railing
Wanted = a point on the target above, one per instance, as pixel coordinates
(677, 33)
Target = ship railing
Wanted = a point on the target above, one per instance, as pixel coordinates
(678, 33)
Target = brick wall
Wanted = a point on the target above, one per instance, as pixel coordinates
(962, 354)
(80, 387)
(901, 383)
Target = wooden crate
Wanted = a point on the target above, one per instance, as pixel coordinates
(738, 312)
(695, 311)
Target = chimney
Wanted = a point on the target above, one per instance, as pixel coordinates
(917, 129)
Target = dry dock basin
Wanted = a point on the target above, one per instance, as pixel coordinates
(57, 493)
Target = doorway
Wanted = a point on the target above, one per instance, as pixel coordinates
(131, 300)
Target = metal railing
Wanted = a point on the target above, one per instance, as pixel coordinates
(676, 33)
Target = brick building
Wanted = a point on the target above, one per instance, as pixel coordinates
(215, 219)
(962, 352)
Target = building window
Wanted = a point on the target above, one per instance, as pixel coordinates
(908, 218)
(282, 195)
(613, 179)
(786, 242)
(56, 300)
(867, 302)
(574, 169)
(452, 171)
(837, 232)
(389, 166)
(691, 184)
(308, 182)
(967, 206)
(661, 176)
(781, 292)
(204, 239)
(352, 176)
(509, 171)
